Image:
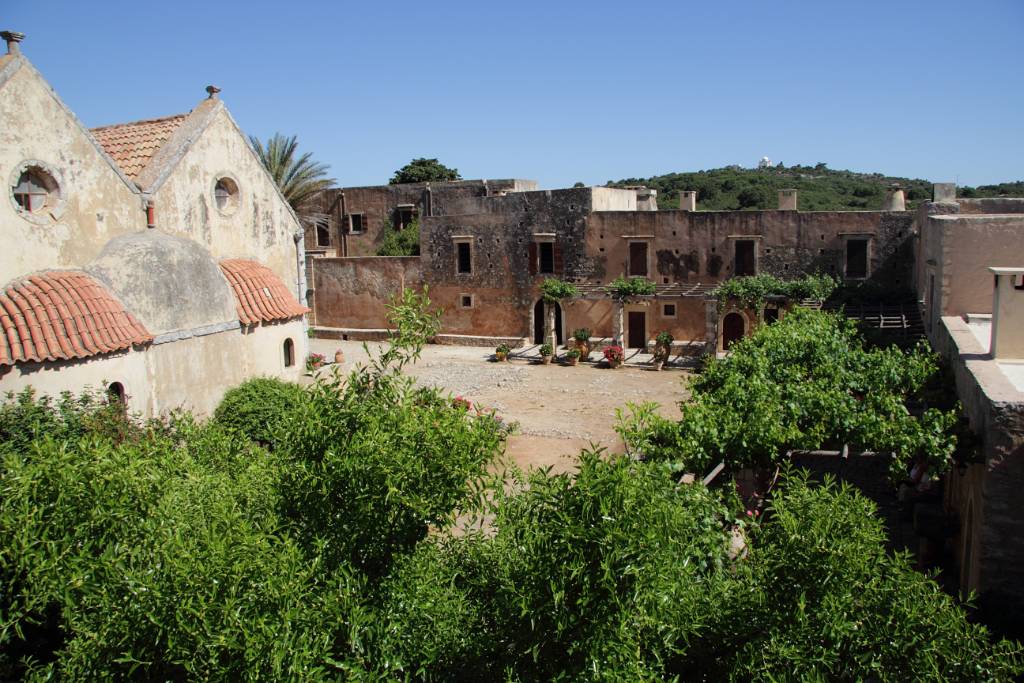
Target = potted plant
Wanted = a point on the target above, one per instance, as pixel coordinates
(662, 349)
(501, 353)
(572, 356)
(545, 353)
(339, 357)
(582, 337)
(314, 362)
(614, 355)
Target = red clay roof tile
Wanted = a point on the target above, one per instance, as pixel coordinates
(59, 315)
(260, 296)
(132, 145)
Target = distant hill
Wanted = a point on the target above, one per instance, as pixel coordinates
(820, 188)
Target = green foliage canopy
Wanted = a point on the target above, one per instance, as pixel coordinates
(624, 288)
(404, 242)
(553, 290)
(423, 171)
(752, 290)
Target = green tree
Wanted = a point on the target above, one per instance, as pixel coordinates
(299, 178)
(404, 242)
(424, 171)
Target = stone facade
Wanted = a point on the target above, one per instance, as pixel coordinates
(152, 233)
(961, 243)
(590, 236)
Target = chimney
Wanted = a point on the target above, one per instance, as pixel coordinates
(211, 92)
(12, 38)
(150, 214)
(944, 192)
(895, 200)
(688, 200)
(1008, 315)
(787, 200)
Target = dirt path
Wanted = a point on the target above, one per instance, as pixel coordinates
(560, 409)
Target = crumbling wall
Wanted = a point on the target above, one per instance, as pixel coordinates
(354, 292)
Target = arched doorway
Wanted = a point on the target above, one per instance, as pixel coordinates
(538, 322)
(733, 327)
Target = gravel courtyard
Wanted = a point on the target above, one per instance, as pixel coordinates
(560, 409)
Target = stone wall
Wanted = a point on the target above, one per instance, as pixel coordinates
(986, 496)
(354, 292)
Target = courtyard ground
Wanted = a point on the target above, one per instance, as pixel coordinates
(560, 409)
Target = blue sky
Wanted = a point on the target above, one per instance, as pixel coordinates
(564, 91)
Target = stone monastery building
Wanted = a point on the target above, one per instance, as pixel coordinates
(156, 256)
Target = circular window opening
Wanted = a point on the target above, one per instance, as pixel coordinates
(225, 195)
(36, 191)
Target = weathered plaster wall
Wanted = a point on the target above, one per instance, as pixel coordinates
(98, 203)
(261, 227)
(354, 292)
(190, 374)
(995, 410)
(698, 246)
(957, 250)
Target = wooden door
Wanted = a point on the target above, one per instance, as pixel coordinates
(637, 338)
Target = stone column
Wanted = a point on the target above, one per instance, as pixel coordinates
(549, 325)
(618, 312)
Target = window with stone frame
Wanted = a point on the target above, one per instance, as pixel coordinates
(466, 300)
(638, 259)
(356, 223)
(323, 234)
(34, 190)
(745, 258)
(546, 257)
(406, 215)
(856, 258)
(668, 310)
(464, 257)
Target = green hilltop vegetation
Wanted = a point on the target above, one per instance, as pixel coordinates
(820, 188)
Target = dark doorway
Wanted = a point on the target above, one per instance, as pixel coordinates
(771, 315)
(857, 258)
(732, 329)
(638, 259)
(637, 330)
(538, 323)
(547, 257)
(745, 263)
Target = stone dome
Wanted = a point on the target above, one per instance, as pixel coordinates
(170, 283)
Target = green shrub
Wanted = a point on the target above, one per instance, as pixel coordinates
(553, 290)
(546, 350)
(751, 291)
(581, 334)
(404, 242)
(624, 288)
(259, 408)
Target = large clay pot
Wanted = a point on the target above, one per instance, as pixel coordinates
(614, 363)
(584, 349)
(339, 357)
(500, 357)
(545, 359)
(573, 360)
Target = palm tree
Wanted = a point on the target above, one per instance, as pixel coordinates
(299, 177)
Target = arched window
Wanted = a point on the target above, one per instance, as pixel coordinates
(225, 194)
(289, 353)
(115, 393)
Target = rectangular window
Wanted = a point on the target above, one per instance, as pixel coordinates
(668, 310)
(356, 223)
(406, 216)
(638, 259)
(856, 258)
(466, 300)
(547, 257)
(323, 235)
(464, 257)
(745, 263)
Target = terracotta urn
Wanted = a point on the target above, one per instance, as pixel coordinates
(500, 356)
(339, 357)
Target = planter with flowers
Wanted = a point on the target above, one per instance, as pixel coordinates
(662, 349)
(614, 355)
(501, 353)
(582, 338)
(572, 356)
(314, 362)
(545, 353)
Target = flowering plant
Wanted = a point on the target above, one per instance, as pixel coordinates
(614, 354)
(459, 402)
(315, 361)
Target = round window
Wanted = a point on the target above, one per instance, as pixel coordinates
(225, 195)
(36, 192)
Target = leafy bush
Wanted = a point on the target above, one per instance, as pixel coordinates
(581, 334)
(404, 242)
(553, 290)
(624, 288)
(809, 382)
(752, 290)
(502, 348)
(546, 350)
(572, 353)
(260, 408)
